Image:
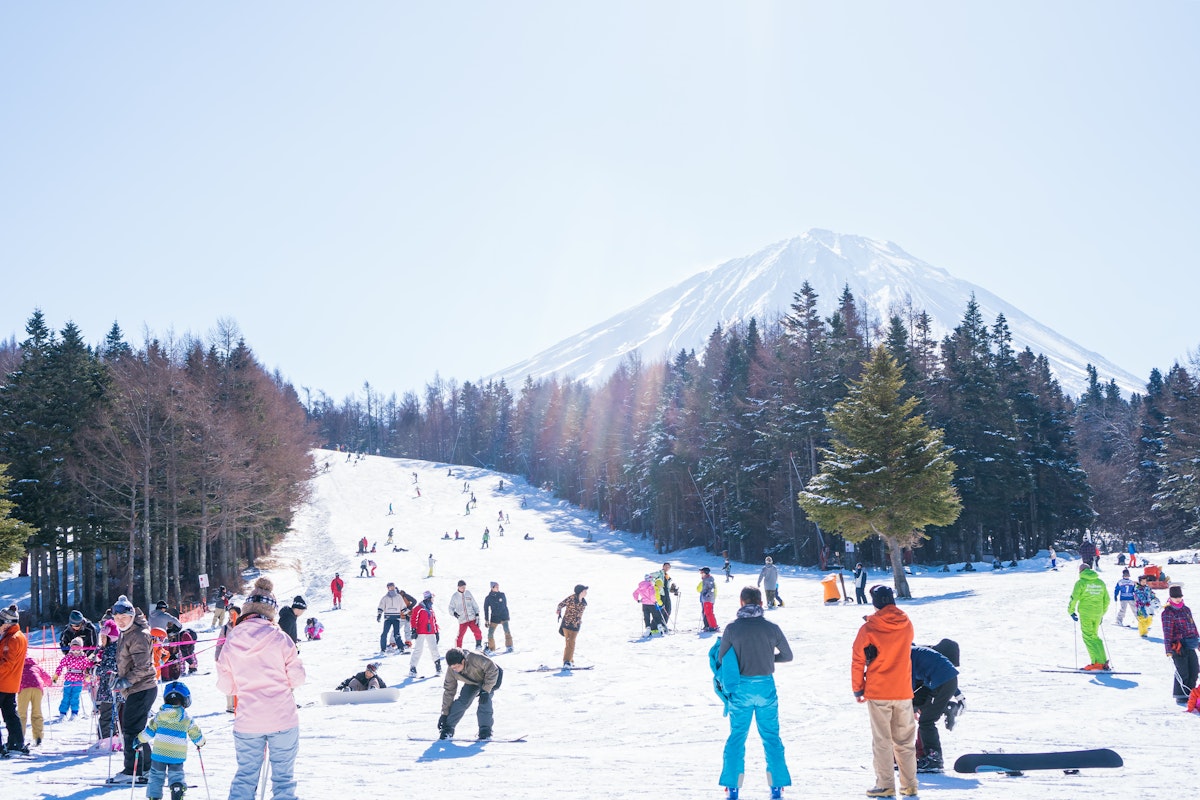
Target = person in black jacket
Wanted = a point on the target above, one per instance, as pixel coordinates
(495, 613)
(288, 615)
(81, 626)
(367, 679)
(935, 682)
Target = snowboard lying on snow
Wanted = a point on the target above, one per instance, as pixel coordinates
(1015, 763)
(356, 698)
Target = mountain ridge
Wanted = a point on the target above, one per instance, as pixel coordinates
(882, 276)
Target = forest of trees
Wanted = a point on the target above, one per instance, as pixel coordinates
(713, 448)
(135, 470)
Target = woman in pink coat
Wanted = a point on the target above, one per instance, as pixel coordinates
(259, 664)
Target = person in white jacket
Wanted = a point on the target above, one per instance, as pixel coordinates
(466, 611)
(392, 610)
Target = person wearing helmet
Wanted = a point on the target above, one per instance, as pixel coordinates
(881, 677)
(169, 730)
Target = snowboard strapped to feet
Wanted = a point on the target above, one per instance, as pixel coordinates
(1016, 763)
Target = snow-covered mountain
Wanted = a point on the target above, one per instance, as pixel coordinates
(881, 275)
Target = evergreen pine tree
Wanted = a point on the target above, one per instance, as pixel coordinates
(886, 473)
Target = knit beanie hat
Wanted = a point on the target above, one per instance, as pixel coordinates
(1176, 591)
(76, 618)
(261, 600)
(122, 606)
(882, 596)
(110, 629)
(9, 617)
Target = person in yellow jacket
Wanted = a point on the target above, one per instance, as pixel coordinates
(1089, 602)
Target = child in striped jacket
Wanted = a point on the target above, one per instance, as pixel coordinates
(76, 665)
(170, 729)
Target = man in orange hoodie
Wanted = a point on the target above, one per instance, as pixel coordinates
(881, 676)
(13, 647)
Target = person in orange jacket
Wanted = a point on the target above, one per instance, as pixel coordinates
(13, 647)
(881, 677)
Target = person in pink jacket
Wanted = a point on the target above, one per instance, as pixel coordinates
(260, 665)
(651, 614)
(29, 700)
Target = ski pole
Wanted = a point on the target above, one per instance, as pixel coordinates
(1075, 638)
(264, 773)
(203, 774)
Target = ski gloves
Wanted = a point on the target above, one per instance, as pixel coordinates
(1075, 617)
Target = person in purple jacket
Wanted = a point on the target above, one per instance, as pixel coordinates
(259, 664)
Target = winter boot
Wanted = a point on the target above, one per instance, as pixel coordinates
(485, 733)
(881, 791)
(776, 793)
(437, 665)
(508, 649)
(447, 733)
(908, 791)
(178, 790)
(731, 793)
(412, 672)
(930, 762)
(479, 645)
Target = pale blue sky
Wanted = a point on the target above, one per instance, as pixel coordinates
(382, 191)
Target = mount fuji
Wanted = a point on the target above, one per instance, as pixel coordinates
(883, 277)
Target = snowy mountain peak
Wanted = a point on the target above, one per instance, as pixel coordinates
(883, 277)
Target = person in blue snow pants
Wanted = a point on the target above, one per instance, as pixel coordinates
(743, 662)
(280, 749)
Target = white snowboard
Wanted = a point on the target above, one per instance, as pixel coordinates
(355, 698)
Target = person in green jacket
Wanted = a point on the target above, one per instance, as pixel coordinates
(1090, 599)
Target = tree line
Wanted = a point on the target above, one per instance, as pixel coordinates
(714, 448)
(137, 469)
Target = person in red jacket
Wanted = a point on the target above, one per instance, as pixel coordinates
(336, 585)
(13, 647)
(881, 677)
(425, 632)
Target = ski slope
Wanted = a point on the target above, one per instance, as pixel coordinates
(644, 722)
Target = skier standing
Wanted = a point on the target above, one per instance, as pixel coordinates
(495, 613)
(432, 561)
(881, 677)
(1146, 602)
(746, 682)
(220, 606)
(79, 626)
(335, 586)
(1180, 639)
(425, 634)
(769, 575)
(708, 596)
(1123, 593)
(464, 609)
(651, 616)
(860, 584)
(668, 589)
(13, 647)
(137, 681)
(570, 616)
(1090, 597)
(391, 610)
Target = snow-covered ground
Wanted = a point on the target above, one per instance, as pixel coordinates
(645, 721)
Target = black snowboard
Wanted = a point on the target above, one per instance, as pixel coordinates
(1019, 762)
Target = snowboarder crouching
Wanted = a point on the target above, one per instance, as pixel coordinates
(367, 679)
(480, 677)
(935, 683)
(313, 629)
